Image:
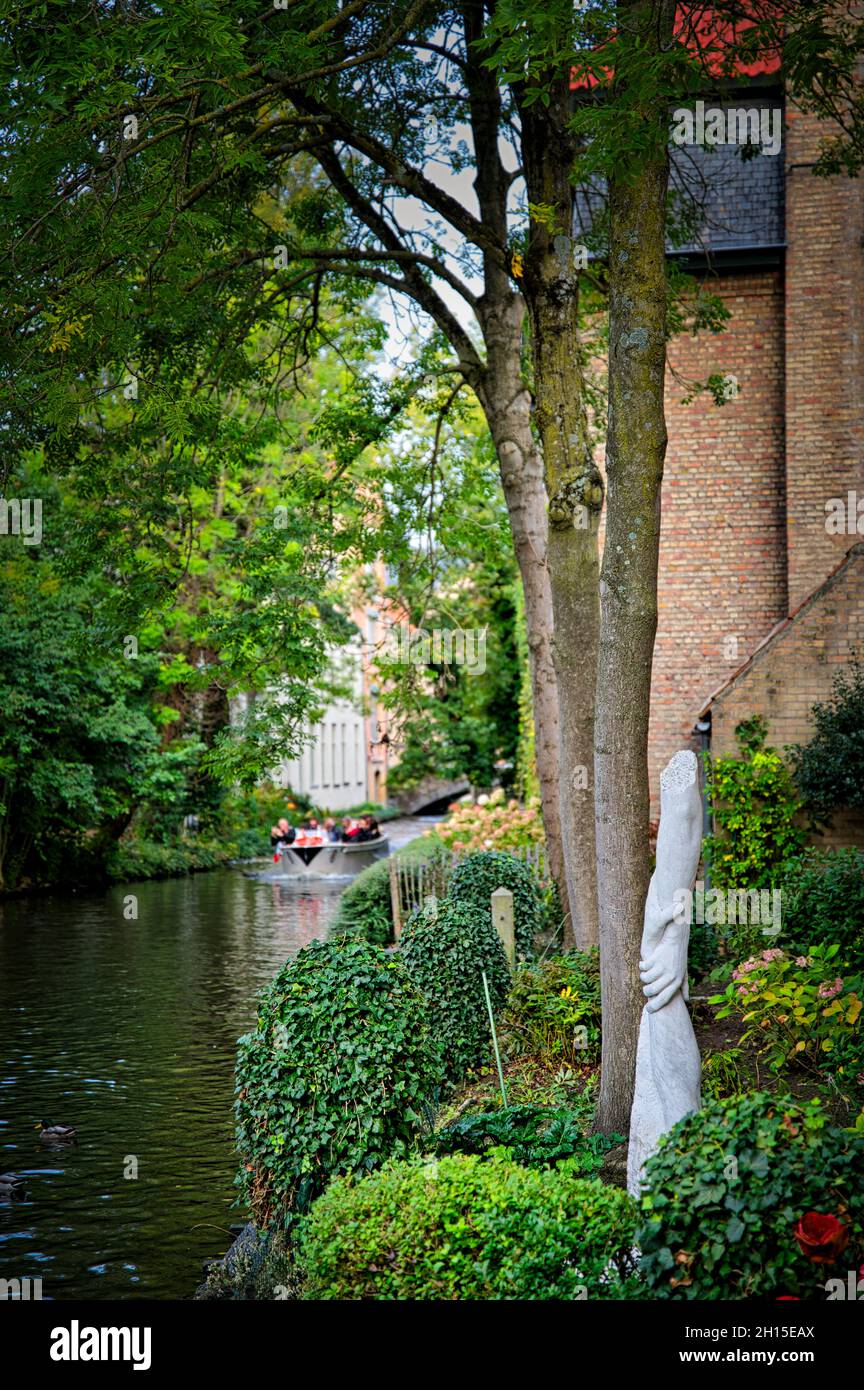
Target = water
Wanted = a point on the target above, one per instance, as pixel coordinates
(127, 1030)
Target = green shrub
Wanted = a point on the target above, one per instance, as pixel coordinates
(823, 903)
(724, 1073)
(755, 808)
(476, 877)
(334, 1078)
(533, 1135)
(726, 1190)
(365, 911)
(465, 1228)
(445, 947)
(829, 769)
(553, 1009)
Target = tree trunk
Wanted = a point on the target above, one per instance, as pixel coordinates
(636, 447)
(507, 405)
(573, 484)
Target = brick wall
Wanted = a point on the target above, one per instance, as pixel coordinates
(722, 580)
(796, 667)
(824, 353)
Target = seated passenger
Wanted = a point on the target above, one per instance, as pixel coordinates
(331, 831)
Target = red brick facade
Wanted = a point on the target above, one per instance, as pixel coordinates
(795, 667)
(744, 540)
(722, 581)
(824, 354)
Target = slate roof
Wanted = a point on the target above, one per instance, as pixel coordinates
(721, 201)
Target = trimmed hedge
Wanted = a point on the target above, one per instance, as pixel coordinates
(468, 1228)
(335, 1078)
(477, 876)
(727, 1191)
(445, 947)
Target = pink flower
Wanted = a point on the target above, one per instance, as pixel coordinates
(826, 991)
(802, 961)
(774, 954)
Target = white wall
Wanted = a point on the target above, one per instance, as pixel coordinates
(332, 769)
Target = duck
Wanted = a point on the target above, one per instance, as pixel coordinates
(56, 1134)
(11, 1186)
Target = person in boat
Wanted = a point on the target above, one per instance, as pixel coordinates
(331, 830)
(281, 834)
(368, 829)
(350, 829)
(310, 833)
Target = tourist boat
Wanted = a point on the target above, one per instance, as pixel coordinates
(324, 861)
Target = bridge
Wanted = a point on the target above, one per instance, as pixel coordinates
(431, 795)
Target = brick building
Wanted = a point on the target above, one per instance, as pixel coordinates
(754, 614)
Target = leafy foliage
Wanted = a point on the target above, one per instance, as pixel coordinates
(335, 1076)
(798, 1009)
(80, 743)
(829, 769)
(823, 902)
(533, 1135)
(553, 1009)
(365, 909)
(755, 809)
(445, 947)
(467, 1228)
(726, 1189)
(724, 1073)
(476, 877)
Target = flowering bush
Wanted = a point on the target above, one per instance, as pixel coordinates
(798, 1008)
(491, 822)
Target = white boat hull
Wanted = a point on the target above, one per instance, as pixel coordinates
(324, 861)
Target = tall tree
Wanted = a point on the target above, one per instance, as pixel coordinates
(147, 218)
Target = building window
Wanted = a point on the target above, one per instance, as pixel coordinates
(345, 777)
(325, 770)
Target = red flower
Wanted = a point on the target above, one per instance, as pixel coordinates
(822, 1237)
(787, 1298)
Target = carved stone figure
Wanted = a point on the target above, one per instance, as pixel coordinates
(667, 1062)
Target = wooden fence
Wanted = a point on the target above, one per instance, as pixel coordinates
(412, 881)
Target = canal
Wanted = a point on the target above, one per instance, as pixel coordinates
(127, 1029)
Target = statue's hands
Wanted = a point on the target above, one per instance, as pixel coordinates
(663, 966)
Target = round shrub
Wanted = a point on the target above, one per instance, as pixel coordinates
(468, 1228)
(476, 877)
(334, 1078)
(732, 1193)
(364, 911)
(445, 946)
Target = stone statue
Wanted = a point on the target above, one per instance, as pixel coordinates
(667, 1062)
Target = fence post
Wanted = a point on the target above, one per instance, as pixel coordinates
(395, 901)
(502, 920)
